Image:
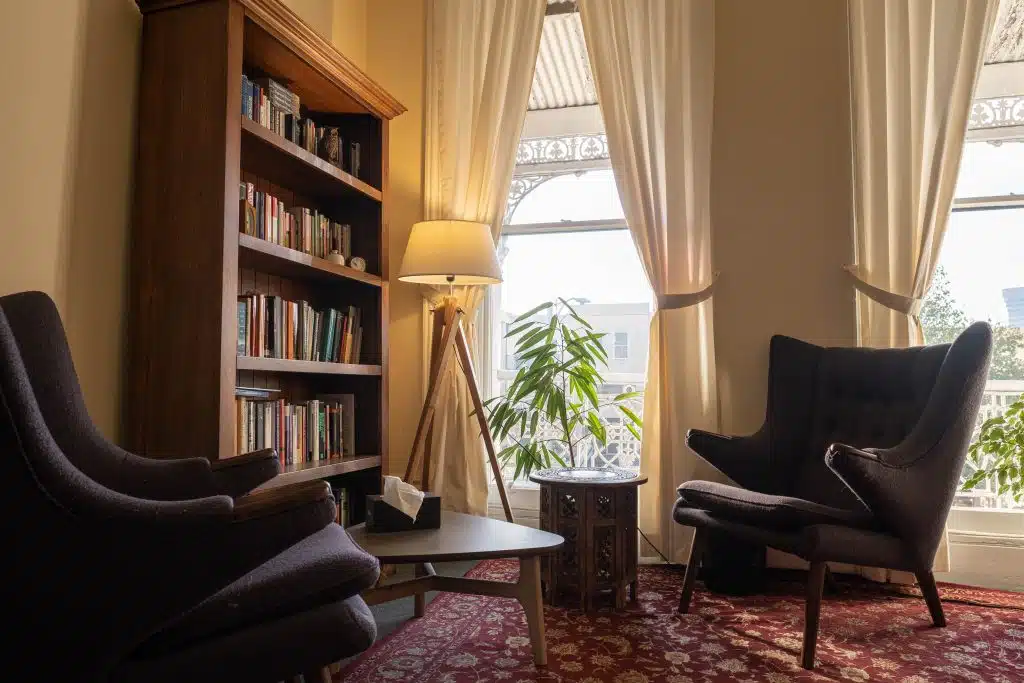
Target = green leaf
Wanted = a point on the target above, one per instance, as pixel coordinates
(633, 417)
(516, 330)
(581, 321)
(527, 341)
(533, 311)
(628, 395)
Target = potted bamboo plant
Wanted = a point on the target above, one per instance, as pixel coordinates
(552, 414)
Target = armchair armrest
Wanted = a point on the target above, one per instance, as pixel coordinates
(173, 478)
(865, 473)
(744, 459)
(273, 501)
(238, 475)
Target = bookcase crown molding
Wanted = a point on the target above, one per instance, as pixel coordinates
(278, 19)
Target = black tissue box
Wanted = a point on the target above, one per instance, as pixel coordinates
(382, 518)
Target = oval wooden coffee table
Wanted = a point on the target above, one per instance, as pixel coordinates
(465, 537)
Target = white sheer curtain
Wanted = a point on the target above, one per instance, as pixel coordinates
(653, 65)
(480, 61)
(914, 64)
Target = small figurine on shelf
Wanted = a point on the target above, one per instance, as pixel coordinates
(336, 257)
(330, 147)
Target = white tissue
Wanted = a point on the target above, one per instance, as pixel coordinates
(402, 496)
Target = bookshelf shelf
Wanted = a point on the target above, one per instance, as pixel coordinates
(306, 366)
(305, 471)
(273, 258)
(192, 272)
(263, 148)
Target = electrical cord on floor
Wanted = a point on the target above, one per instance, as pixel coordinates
(667, 561)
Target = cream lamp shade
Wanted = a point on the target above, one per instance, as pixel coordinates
(450, 252)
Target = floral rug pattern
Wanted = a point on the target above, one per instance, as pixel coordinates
(868, 633)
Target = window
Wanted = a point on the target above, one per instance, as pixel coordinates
(980, 275)
(565, 236)
(621, 349)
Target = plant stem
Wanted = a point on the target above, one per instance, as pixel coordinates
(565, 397)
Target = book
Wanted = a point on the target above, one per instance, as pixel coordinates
(270, 326)
(243, 317)
(355, 159)
(304, 431)
(346, 405)
(300, 228)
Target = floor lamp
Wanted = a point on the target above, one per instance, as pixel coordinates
(449, 252)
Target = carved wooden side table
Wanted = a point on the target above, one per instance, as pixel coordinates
(594, 509)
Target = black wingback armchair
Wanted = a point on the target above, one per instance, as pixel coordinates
(858, 461)
(101, 585)
(43, 347)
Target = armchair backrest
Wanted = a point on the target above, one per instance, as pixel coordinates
(89, 570)
(912, 486)
(867, 398)
(43, 347)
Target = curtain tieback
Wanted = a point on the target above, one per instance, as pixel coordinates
(908, 305)
(671, 302)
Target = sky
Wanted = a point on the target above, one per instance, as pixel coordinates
(983, 252)
(601, 266)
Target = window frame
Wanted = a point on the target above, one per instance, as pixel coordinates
(524, 497)
(973, 529)
(616, 346)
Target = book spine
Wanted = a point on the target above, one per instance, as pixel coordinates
(243, 319)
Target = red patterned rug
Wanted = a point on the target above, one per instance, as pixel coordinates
(868, 633)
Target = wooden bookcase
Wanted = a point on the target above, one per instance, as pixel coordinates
(189, 261)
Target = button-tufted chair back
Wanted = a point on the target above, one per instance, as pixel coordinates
(867, 398)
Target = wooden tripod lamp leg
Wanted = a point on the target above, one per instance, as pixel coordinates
(449, 337)
(445, 351)
(481, 417)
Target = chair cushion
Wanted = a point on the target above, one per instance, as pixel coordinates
(266, 652)
(325, 567)
(815, 543)
(764, 510)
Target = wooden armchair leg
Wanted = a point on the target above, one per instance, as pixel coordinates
(931, 595)
(812, 612)
(318, 676)
(700, 537)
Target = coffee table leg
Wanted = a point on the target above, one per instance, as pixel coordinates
(533, 604)
(420, 599)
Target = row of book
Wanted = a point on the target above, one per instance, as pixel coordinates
(302, 229)
(273, 327)
(309, 431)
(274, 106)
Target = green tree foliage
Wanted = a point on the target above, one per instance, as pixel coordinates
(552, 409)
(943, 320)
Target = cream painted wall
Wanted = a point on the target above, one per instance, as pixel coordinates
(780, 189)
(395, 43)
(319, 14)
(349, 27)
(65, 176)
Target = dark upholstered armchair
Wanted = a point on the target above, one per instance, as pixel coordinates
(43, 347)
(103, 585)
(858, 461)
